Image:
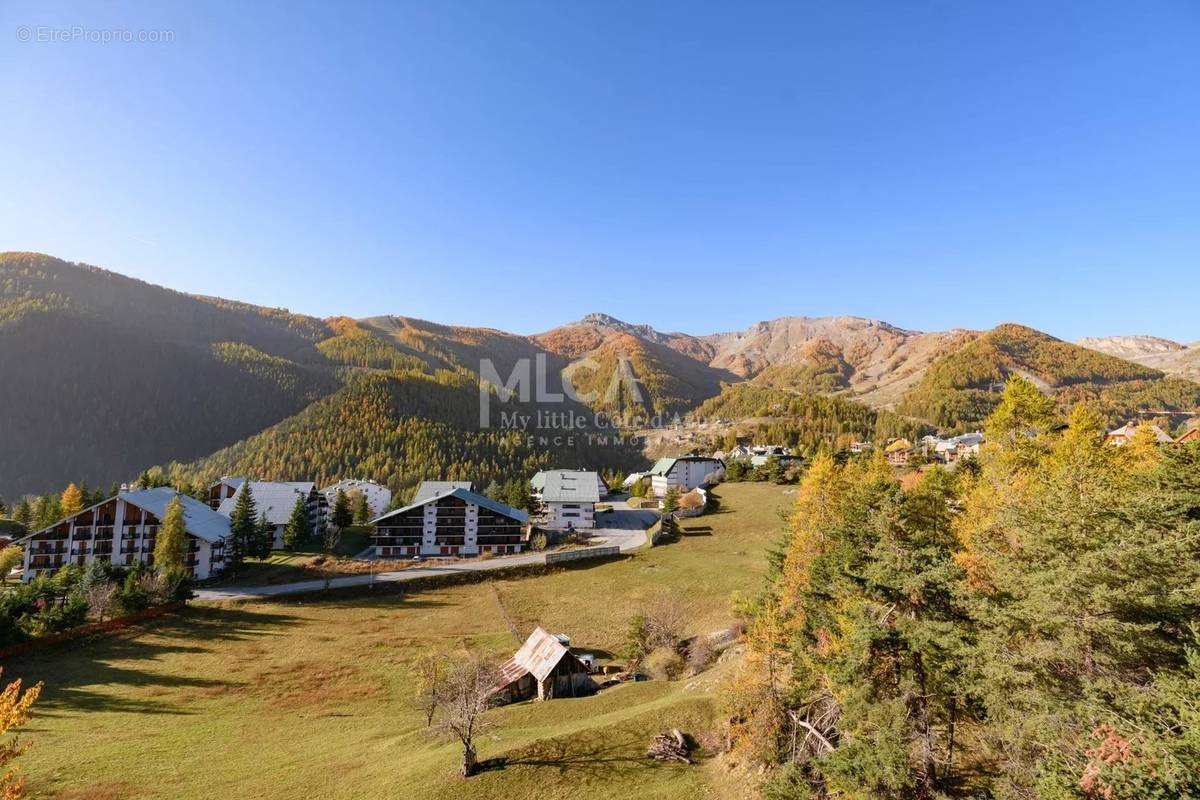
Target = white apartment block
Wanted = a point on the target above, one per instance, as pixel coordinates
(686, 472)
(121, 530)
(569, 499)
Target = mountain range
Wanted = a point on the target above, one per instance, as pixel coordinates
(105, 375)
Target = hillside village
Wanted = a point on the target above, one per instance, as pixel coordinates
(445, 519)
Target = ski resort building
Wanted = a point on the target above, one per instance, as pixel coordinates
(457, 522)
(276, 501)
(686, 472)
(122, 529)
(378, 497)
(569, 498)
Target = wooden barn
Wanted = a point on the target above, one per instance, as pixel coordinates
(542, 669)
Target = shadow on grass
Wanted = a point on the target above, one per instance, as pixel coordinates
(77, 675)
(607, 758)
(699, 530)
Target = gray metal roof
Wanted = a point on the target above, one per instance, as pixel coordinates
(198, 519)
(570, 486)
(276, 500)
(467, 497)
(429, 489)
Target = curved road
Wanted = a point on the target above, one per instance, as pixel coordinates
(623, 526)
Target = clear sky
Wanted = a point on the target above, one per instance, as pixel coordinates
(696, 166)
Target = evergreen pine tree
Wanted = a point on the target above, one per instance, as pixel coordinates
(297, 530)
(242, 527)
(342, 517)
(264, 537)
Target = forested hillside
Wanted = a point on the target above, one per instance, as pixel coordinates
(807, 421)
(409, 412)
(103, 374)
(960, 389)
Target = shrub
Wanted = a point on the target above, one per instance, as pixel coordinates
(664, 664)
(700, 654)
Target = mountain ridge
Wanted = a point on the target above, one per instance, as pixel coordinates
(106, 375)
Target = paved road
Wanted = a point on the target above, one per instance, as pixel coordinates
(623, 526)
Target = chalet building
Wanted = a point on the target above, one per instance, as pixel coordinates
(1124, 434)
(538, 481)
(686, 472)
(569, 498)
(860, 447)
(277, 500)
(454, 523)
(898, 451)
(429, 489)
(1189, 436)
(121, 530)
(542, 669)
(221, 490)
(378, 497)
(950, 450)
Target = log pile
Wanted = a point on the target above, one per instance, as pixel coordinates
(669, 746)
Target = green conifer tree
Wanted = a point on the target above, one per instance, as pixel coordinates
(298, 530)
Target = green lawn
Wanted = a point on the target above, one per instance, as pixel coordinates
(314, 699)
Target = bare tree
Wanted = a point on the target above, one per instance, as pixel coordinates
(429, 672)
(666, 618)
(464, 690)
(100, 598)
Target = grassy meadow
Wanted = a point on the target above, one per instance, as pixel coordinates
(289, 698)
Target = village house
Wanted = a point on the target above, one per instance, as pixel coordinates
(542, 669)
(686, 472)
(569, 498)
(1124, 434)
(898, 451)
(456, 522)
(952, 449)
(276, 501)
(860, 447)
(122, 529)
(378, 497)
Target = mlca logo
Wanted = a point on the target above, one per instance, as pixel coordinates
(529, 381)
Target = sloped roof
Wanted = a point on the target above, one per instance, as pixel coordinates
(662, 466)
(198, 519)
(431, 489)
(1129, 430)
(899, 444)
(571, 486)
(275, 499)
(538, 657)
(467, 497)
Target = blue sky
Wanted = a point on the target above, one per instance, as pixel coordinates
(700, 168)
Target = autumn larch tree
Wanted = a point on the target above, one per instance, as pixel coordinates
(15, 711)
(170, 543)
(72, 501)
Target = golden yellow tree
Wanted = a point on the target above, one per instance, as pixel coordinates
(72, 500)
(14, 712)
(818, 501)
